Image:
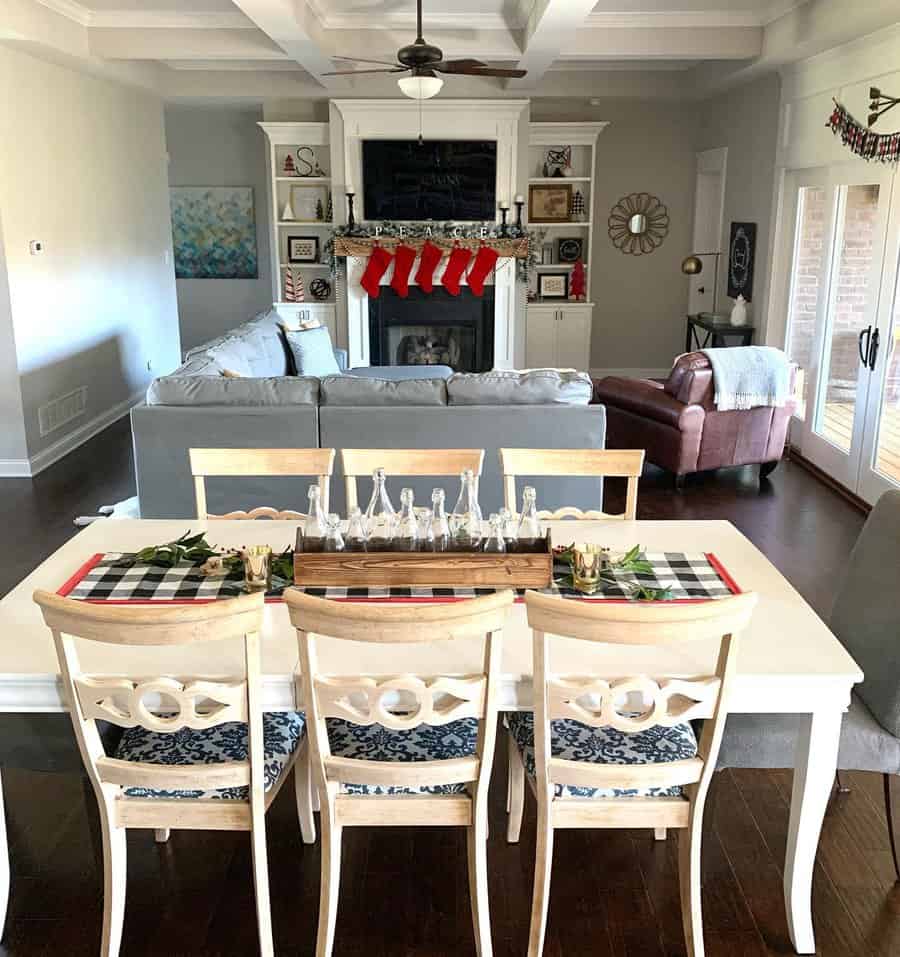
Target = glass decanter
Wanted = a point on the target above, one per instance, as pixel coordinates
(529, 533)
(406, 536)
(334, 541)
(315, 529)
(496, 542)
(356, 531)
(440, 527)
(381, 519)
(466, 519)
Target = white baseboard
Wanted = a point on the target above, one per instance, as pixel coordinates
(68, 443)
(632, 373)
(15, 468)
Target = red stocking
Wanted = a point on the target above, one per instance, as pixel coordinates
(456, 264)
(404, 257)
(485, 260)
(428, 260)
(376, 267)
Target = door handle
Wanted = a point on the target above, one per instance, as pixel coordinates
(873, 350)
(864, 356)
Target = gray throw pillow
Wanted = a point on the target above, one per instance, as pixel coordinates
(866, 615)
(312, 351)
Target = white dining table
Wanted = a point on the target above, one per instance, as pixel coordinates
(789, 661)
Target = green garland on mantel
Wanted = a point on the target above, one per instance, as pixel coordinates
(446, 231)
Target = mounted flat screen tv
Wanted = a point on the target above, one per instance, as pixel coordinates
(439, 179)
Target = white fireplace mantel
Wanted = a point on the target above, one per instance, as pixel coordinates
(353, 121)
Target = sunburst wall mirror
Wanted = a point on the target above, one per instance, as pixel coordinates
(638, 224)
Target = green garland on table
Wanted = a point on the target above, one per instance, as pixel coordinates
(446, 231)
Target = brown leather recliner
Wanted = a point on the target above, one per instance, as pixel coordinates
(678, 424)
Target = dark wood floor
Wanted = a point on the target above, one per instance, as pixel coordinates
(404, 890)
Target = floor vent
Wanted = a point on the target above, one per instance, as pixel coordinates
(56, 413)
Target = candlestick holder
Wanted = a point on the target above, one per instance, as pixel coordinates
(504, 212)
(351, 222)
(519, 204)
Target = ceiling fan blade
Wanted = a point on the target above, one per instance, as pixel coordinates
(400, 69)
(356, 59)
(457, 66)
(481, 71)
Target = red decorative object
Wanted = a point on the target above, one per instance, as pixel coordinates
(485, 260)
(379, 260)
(404, 257)
(428, 260)
(456, 265)
(577, 282)
(300, 289)
(289, 168)
(859, 139)
(289, 293)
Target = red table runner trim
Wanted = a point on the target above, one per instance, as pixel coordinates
(69, 585)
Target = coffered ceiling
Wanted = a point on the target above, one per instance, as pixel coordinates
(285, 47)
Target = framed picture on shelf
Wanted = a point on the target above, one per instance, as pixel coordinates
(553, 285)
(306, 200)
(569, 249)
(303, 249)
(549, 203)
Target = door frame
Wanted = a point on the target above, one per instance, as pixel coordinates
(709, 162)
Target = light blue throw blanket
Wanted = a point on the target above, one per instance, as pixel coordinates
(745, 377)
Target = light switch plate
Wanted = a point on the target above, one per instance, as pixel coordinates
(35, 247)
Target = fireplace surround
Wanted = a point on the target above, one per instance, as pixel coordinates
(433, 329)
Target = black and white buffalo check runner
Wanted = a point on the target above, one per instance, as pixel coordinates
(686, 576)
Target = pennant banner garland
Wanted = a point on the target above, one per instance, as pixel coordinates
(864, 142)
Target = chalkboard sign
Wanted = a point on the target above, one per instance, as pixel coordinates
(439, 179)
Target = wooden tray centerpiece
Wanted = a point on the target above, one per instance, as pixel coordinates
(453, 569)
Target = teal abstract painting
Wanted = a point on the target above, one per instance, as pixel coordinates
(214, 232)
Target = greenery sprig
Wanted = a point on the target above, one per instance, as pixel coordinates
(188, 548)
(632, 563)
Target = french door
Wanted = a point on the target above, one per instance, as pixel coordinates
(841, 300)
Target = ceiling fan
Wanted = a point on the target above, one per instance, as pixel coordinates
(422, 61)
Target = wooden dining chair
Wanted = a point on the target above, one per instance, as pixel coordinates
(221, 463)
(196, 754)
(622, 753)
(402, 750)
(572, 463)
(358, 463)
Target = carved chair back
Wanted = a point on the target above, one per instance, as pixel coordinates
(633, 704)
(160, 704)
(399, 702)
(358, 463)
(582, 463)
(220, 463)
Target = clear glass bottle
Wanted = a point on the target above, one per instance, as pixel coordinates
(334, 540)
(440, 527)
(529, 533)
(406, 536)
(466, 519)
(426, 535)
(355, 539)
(509, 527)
(381, 519)
(495, 543)
(315, 529)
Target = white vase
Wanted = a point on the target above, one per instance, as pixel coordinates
(739, 312)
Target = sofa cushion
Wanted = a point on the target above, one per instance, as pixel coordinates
(215, 389)
(540, 387)
(348, 390)
(312, 351)
(255, 348)
(395, 373)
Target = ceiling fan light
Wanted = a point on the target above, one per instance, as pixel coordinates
(422, 87)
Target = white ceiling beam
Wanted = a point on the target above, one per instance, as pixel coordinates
(649, 43)
(383, 44)
(552, 27)
(170, 44)
(296, 29)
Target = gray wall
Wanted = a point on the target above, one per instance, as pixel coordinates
(220, 146)
(649, 146)
(746, 121)
(13, 449)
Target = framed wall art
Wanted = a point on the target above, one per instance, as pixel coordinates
(214, 232)
(570, 248)
(549, 203)
(553, 285)
(741, 260)
(303, 249)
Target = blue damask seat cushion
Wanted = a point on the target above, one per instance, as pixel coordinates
(282, 733)
(374, 742)
(574, 741)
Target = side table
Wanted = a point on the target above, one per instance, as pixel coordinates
(715, 331)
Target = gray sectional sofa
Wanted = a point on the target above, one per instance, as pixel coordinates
(269, 408)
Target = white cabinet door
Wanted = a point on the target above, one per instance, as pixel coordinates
(541, 325)
(573, 338)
